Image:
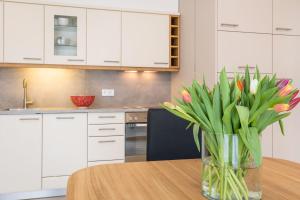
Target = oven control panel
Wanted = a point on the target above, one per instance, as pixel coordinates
(136, 117)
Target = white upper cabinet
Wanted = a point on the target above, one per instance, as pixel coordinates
(65, 35)
(1, 31)
(145, 40)
(245, 15)
(20, 153)
(286, 17)
(24, 33)
(103, 37)
(237, 50)
(64, 143)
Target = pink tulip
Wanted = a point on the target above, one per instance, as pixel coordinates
(281, 107)
(186, 97)
(282, 83)
(295, 94)
(293, 103)
(286, 90)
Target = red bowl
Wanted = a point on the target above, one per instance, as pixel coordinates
(83, 101)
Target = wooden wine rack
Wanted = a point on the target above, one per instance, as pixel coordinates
(174, 41)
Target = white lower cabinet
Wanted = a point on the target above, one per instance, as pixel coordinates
(267, 142)
(95, 163)
(64, 144)
(54, 182)
(20, 153)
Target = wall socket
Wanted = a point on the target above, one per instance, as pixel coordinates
(108, 92)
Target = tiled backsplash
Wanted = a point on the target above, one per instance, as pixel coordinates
(53, 87)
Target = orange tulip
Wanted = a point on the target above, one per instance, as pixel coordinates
(240, 85)
(286, 90)
(281, 107)
(186, 97)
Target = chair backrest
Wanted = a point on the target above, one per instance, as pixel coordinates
(168, 138)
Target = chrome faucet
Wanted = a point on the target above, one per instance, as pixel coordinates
(25, 101)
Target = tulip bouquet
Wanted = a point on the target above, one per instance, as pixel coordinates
(233, 116)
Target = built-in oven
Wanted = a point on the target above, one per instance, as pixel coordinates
(135, 136)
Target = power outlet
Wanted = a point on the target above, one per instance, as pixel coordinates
(108, 92)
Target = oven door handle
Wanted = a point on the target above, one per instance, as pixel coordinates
(141, 125)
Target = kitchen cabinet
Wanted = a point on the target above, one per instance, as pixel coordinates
(286, 17)
(23, 33)
(267, 142)
(145, 40)
(245, 16)
(64, 144)
(237, 50)
(21, 153)
(286, 66)
(103, 37)
(65, 35)
(1, 31)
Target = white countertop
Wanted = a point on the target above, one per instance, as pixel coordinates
(69, 110)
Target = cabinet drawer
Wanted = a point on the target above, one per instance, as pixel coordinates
(106, 130)
(55, 182)
(106, 148)
(106, 118)
(237, 50)
(91, 164)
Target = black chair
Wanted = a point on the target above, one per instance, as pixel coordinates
(168, 138)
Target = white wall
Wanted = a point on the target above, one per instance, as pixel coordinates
(151, 5)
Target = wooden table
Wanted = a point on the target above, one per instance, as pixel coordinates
(171, 180)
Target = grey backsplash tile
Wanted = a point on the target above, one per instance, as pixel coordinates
(53, 87)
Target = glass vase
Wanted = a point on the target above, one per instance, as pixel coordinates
(228, 169)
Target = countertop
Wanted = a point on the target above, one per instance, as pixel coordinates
(69, 110)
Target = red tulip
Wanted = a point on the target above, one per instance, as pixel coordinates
(286, 90)
(281, 107)
(293, 103)
(240, 85)
(295, 94)
(282, 83)
(186, 97)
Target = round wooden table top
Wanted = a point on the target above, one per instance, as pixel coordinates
(171, 180)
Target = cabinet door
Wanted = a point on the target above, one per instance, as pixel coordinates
(286, 15)
(1, 31)
(20, 153)
(267, 142)
(145, 40)
(64, 144)
(103, 37)
(24, 33)
(236, 50)
(65, 35)
(286, 65)
(245, 15)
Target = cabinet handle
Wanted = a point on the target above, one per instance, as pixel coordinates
(65, 117)
(106, 129)
(76, 60)
(106, 117)
(106, 141)
(161, 63)
(28, 58)
(244, 67)
(229, 25)
(283, 29)
(111, 61)
(29, 119)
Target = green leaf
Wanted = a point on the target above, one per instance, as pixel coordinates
(281, 125)
(227, 118)
(217, 109)
(196, 129)
(247, 80)
(224, 89)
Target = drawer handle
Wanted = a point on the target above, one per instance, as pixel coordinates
(244, 67)
(106, 117)
(229, 25)
(28, 58)
(106, 141)
(65, 117)
(111, 61)
(106, 129)
(76, 60)
(161, 63)
(283, 29)
(29, 119)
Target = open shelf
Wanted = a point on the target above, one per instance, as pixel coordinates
(174, 41)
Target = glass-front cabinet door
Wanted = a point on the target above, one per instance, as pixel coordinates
(65, 35)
